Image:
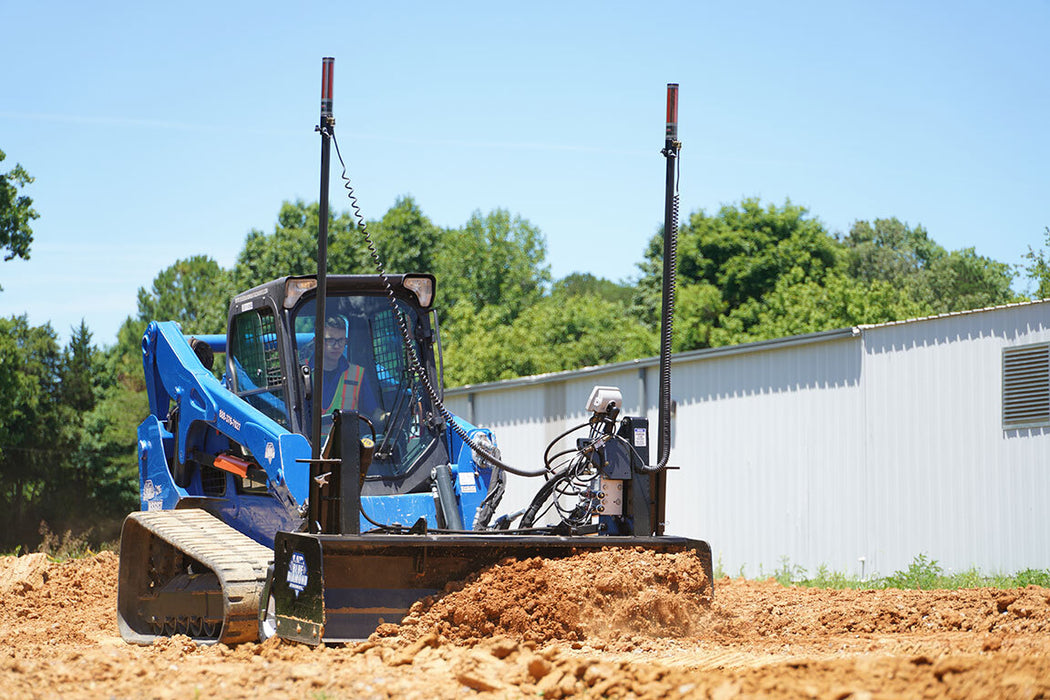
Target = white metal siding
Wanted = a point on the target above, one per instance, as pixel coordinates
(950, 481)
(882, 445)
(763, 438)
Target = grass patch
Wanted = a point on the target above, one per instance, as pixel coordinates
(66, 546)
(923, 573)
(826, 578)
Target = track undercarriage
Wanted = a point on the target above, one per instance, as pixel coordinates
(186, 572)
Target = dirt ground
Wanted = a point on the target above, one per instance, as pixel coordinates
(617, 625)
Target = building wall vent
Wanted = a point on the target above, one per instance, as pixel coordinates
(1026, 386)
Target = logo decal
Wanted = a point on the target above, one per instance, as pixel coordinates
(149, 490)
(297, 576)
(270, 452)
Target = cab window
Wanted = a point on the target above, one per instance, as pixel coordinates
(367, 370)
(255, 363)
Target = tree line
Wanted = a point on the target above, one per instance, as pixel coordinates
(749, 271)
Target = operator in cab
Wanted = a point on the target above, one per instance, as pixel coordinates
(344, 384)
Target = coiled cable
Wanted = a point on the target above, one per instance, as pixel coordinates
(413, 359)
(667, 327)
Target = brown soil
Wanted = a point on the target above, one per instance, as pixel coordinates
(618, 625)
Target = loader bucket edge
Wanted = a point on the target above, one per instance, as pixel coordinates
(340, 588)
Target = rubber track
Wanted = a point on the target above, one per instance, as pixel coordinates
(239, 562)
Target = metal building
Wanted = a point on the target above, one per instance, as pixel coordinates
(857, 449)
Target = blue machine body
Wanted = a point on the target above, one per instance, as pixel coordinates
(241, 453)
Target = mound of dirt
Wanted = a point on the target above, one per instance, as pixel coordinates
(603, 594)
(20, 574)
(79, 594)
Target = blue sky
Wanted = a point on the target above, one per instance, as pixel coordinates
(161, 131)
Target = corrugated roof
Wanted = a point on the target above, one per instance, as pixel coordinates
(968, 312)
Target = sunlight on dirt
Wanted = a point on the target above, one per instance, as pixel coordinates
(625, 624)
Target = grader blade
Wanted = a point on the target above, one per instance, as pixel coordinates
(339, 588)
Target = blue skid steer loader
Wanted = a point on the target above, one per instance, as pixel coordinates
(315, 505)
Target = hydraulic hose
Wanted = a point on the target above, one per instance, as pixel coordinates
(540, 498)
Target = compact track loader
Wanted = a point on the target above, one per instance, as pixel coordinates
(320, 487)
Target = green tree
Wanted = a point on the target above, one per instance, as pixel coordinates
(488, 272)
(53, 465)
(732, 260)
(698, 310)
(122, 362)
(195, 292)
(745, 249)
(757, 272)
(32, 444)
(580, 283)
(1037, 268)
(892, 252)
(105, 461)
(102, 470)
(889, 250)
(406, 240)
(107, 448)
(16, 211)
(80, 375)
(963, 280)
(496, 260)
(797, 306)
(558, 332)
(292, 247)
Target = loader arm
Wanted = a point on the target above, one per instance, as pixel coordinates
(178, 384)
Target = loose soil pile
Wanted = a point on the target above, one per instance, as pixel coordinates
(594, 595)
(626, 624)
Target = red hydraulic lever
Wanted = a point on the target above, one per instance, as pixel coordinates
(234, 465)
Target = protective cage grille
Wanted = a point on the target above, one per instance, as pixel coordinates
(257, 349)
(387, 346)
(1026, 386)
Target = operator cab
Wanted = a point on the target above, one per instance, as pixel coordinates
(270, 364)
